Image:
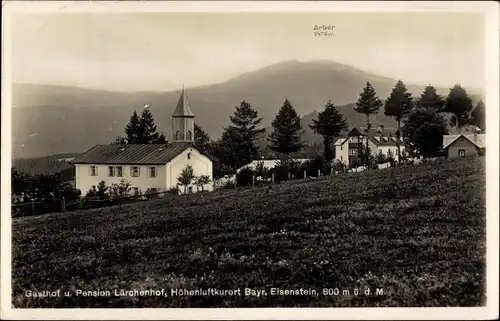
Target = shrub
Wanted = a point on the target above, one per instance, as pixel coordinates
(381, 158)
(312, 166)
(245, 177)
(338, 166)
(285, 170)
(201, 181)
(228, 185)
(120, 190)
(173, 190)
(151, 193)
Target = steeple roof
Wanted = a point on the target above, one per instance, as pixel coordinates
(183, 109)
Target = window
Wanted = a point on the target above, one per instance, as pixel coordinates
(341, 147)
(118, 171)
(353, 140)
(190, 135)
(352, 152)
(177, 134)
(134, 171)
(93, 170)
(189, 155)
(152, 172)
(461, 153)
(111, 171)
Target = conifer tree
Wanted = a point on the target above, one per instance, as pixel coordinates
(368, 104)
(148, 129)
(242, 134)
(287, 131)
(459, 103)
(330, 124)
(201, 138)
(430, 99)
(141, 130)
(398, 105)
(133, 129)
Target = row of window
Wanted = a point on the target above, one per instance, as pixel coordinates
(117, 171)
(353, 151)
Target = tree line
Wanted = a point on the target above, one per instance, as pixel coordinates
(420, 122)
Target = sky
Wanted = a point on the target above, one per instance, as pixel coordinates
(162, 51)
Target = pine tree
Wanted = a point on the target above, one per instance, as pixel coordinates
(398, 105)
(243, 134)
(368, 103)
(430, 99)
(287, 131)
(459, 103)
(141, 130)
(148, 129)
(201, 138)
(478, 116)
(133, 130)
(330, 124)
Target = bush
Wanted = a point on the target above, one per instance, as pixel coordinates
(338, 166)
(120, 190)
(173, 190)
(228, 185)
(151, 193)
(245, 177)
(312, 166)
(381, 158)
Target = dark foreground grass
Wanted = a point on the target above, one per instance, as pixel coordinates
(416, 233)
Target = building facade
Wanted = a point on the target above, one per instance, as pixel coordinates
(348, 149)
(467, 145)
(147, 166)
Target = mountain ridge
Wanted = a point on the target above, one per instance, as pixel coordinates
(63, 116)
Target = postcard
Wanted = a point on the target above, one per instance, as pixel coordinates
(249, 160)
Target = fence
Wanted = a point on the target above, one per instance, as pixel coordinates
(39, 208)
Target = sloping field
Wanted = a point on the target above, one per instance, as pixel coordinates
(413, 235)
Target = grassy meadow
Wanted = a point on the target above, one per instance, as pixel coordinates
(413, 235)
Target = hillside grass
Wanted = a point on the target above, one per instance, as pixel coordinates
(416, 232)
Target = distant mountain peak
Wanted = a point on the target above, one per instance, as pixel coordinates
(76, 112)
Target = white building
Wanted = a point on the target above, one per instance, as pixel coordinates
(147, 166)
(380, 141)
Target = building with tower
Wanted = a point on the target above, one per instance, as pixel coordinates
(148, 167)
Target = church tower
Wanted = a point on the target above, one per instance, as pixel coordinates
(183, 120)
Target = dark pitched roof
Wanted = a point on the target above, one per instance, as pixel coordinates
(183, 109)
(148, 154)
(385, 141)
(354, 131)
(379, 131)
